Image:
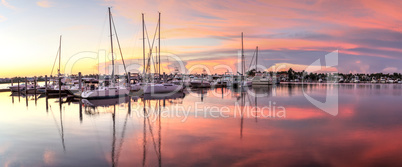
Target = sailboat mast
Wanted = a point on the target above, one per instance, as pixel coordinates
(111, 42)
(143, 43)
(256, 59)
(59, 55)
(159, 47)
(242, 55)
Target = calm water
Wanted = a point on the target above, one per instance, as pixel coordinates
(209, 127)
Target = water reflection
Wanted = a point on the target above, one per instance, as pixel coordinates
(128, 131)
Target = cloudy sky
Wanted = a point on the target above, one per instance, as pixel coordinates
(367, 34)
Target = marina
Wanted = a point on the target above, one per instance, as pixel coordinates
(200, 83)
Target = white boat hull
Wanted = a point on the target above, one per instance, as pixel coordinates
(104, 93)
(161, 88)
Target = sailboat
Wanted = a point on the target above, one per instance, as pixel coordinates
(154, 87)
(66, 83)
(244, 82)
(260, 78)
(112, 90)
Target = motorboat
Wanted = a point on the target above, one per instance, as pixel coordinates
(261, 79)
(200, 83)
(161, 88)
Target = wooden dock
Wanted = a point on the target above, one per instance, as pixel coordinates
(4, 90)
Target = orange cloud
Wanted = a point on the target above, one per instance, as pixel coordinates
(44, 4)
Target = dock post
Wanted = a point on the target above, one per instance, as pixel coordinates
(79, 82)
(59, 87)
(12, 81)
(164, 77)
(46, 85)
(18, 87)
(129, 106)
(80, 107)
(26, 86)
(128, 79)
(35, 86)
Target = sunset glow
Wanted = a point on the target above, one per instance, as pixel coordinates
(203, 32)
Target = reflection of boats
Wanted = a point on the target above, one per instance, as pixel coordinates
(105, 102)
(33, 90)
(16, 94)
(176, 95)
(262, 90)
(199, 90)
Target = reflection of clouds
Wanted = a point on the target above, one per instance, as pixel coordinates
(366, 132)
(48, 157)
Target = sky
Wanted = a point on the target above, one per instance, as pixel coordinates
(196, 35)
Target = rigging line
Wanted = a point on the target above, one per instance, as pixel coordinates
(156, 30)
(152, 134)
(100, 40)
(103, 29)
(146, 32)
(167, 58)
(154, 63)
(60, 131)
(252, 60)
(55, 121)
(118, 43)
(153, 40)
(57, 55)
(121, 140)
(149, 55)
(62, 128)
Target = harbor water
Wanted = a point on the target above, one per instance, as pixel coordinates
(259, 126)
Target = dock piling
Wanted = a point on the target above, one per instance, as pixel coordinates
(35, 86)
(128, 79)
(26, 85)
(46, 85)
(59, 87)
(79, 82)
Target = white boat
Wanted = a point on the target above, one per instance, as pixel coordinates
(227, 79)
(320, 80)
(382, 80)
(105, 102)
(373, 81)
(15, 87)
(261, 79)
(136, 87)
(390, 81)
(105, 92)
(161, 88)
(356, 79)
(200, 83)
